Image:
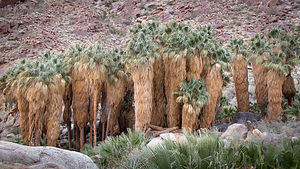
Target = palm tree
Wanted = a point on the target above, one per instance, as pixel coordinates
(193, 95)
(279, 62)
(176, 43)
(143, 50)
(259, 46)
(36, 82)
(215, 59)
(240, 74)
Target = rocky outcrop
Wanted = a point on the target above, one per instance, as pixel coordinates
(37, 157)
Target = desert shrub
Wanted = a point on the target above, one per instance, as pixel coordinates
(109, 153)
(293, 111)
(209, 151)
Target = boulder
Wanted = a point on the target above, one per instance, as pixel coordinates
(157, 141)
(243, 117)
(43, 156)
(180, 137)
(257, 133)
(221, 127)
(168, 136)
(38, 166)
(235, 133)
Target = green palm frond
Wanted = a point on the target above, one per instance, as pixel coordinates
(144, 44)
(193, 92)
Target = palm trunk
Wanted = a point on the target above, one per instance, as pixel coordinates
(159, 100)
(289, 89)
(115, 95)
(68, 113)
(95, 117)
(143, 96)
(213, 83)
(189, 118)
(260, 80)
(24, 119)
(175, 73)
(275, 80)
(53, 121)
(240, 76)
(194, 66)
(80, 106)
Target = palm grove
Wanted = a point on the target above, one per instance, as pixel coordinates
(167, 75)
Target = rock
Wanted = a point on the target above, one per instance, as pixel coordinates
(168, 136)
(30, 156)
(243, 117)
(219, 26)
(38, 166)
(273, 3)
(257, 133)
(235, 133)
(10, 120)
(221, 127)
(155, 142)
(17, 121)
(13, 166)
(47, 166)
(294, 139)
(10, 135)
(180, 138)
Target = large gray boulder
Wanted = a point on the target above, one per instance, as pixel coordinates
(40, 156)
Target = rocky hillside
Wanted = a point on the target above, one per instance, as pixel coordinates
(30, 27)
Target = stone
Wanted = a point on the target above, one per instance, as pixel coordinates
(47, 166)
(221, 127)
(10, 120)
(273, 3)
(243, 117)
(38, 166)
(42, 155)
(180, 137)
(168, 136)
(157, 141)
(13, 166)
(10, 135)
(257, 133)
(235, 133)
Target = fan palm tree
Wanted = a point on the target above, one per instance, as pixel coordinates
(193, 95)
(278, 64)
(259, 46)
(240, 74)
(216, 58)
(36, 84)
(143, 50)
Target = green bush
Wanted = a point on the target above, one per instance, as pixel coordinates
(108, 154)
(199, 151)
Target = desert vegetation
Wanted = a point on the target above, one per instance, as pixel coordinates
(173, 72)
(205, 150)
